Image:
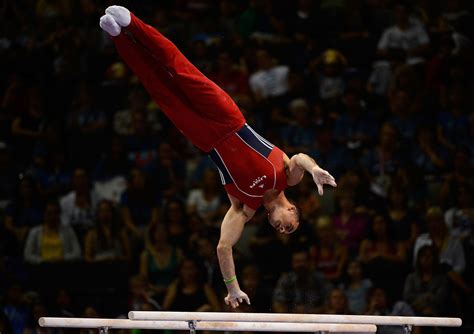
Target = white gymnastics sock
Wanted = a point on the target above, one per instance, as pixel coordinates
(120, 14)
(108, 24)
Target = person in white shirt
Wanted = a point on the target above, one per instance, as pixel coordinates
(270, 80)
(407, 34)
(205, 200)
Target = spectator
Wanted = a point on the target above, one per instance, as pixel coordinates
(299, 135)
(230, 77)
(206, 200)
(461, 173)
(5, 326)
(8, 175)
(329, 153)
(258, 292)
(160, 260)
(64, 305)
(170, 171)
(379, 246)
(328, 255)
(355, 128)
(403, 220)
(38, 311)
(112, 164)
(303, 289)
(174, 216)
(450, 249)
(453, 122)
(52, 174)
(188, 293)
(141, 143)
(107, 241)
(26, 129)
(426, 289)
(139, 204)
(208, 258)
(15, 310)
(378, 304)
(356, 288)
(123, 119)
(351, 227)
(407, 34)
(460, 218)
(336, 303)
(51, 241)
(402, 115)
(382, 255)
(381, 162)
(329, 77)
(140, 294)
(78, 207)
(87, 126)
(25, 211)
(309, 202)
(270, 80)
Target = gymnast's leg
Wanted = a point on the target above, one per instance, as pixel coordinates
(159, 84)
(205, 97)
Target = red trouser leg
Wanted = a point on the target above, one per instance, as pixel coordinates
(205, 97)
(165, 91)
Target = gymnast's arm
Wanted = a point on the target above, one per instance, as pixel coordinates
(231, 230)
(299, 163)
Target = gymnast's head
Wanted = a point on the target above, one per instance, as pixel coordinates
(283, 215)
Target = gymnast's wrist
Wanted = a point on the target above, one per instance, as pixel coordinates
(232, 286)
(230, 280)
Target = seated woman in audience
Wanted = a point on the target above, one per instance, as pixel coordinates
(383, 258)
(328, 255)
(259, 293)
(460, 217)
(160, 260)
(336, 303)
(25, 211)
(176, 219)
(140, 294)
(356, 288)
(205, 200)
(51, 241)
(426, 289)
(108, 241)
(380, 245)
(188, 293)
(404, 221)
(379, 304)
(139, 204)
(79, 205)
(349, 225)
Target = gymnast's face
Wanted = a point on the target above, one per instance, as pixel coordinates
(284, 218)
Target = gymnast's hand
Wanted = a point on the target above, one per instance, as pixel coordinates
(322, 177)
(236, 297)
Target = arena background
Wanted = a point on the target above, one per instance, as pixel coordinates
(379, 92)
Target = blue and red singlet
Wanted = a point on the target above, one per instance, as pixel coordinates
(249, 165)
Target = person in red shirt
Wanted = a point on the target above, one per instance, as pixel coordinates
(253, 171)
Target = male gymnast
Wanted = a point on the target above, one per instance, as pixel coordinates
(253, 171)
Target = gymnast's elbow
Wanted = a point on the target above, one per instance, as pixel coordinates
(223, 248)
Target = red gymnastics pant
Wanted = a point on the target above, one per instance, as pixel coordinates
(200, 109)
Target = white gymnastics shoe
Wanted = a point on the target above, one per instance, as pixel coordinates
(108, 24)
(120, 14)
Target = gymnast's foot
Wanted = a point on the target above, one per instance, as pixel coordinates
(108, 24)
(120, 14)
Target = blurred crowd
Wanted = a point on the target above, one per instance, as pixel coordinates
(106, 208)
